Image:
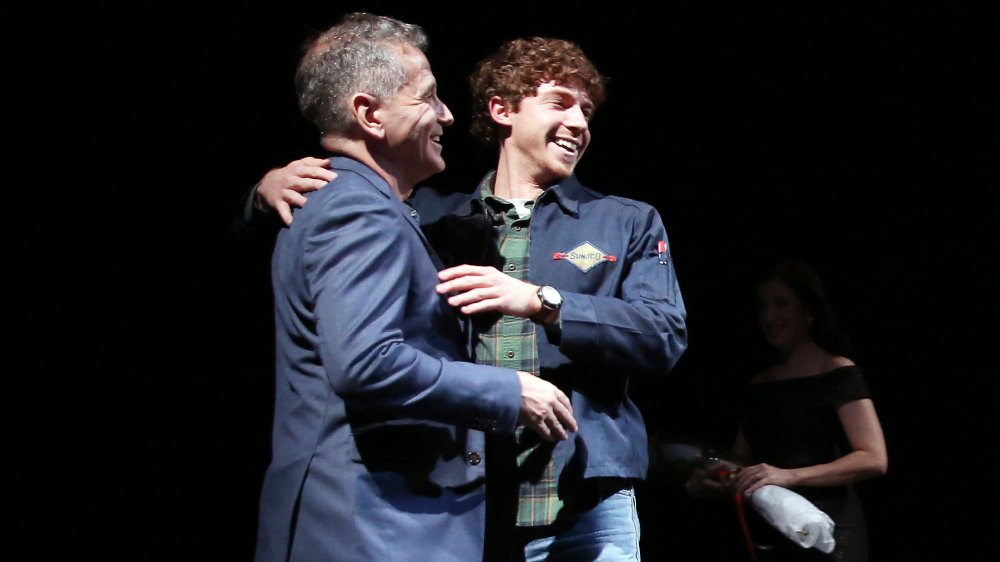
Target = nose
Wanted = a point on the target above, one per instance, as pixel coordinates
(443, 113)
(575, 119)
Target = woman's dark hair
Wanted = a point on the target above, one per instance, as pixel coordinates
(808, 287)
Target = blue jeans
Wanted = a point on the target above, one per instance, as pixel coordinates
(608, 532)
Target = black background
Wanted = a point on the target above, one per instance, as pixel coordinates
(862, 138)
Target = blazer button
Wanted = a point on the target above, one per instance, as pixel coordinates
(473, 458)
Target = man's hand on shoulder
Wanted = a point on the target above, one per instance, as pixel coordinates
(282, 188)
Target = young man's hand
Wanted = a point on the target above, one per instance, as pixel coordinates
(281, 188)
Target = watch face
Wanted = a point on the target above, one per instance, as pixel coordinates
(550, 296)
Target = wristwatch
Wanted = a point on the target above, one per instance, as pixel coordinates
(550, 297)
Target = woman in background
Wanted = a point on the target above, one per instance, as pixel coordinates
(807, 421)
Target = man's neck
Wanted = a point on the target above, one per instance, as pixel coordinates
(515, 181)
(359, 151)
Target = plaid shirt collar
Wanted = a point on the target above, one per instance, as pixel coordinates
(565, 193)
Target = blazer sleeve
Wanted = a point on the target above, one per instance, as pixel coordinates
(360, 257)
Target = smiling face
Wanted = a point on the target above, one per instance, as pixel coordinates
(414, 121)
(549, 132)
(783, 317)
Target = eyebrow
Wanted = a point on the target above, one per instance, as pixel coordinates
(427, 88)
(561, 94)
(564, 91)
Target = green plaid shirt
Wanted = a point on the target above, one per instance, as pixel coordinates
(510, 342)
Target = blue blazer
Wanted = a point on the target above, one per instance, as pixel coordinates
(377, 449)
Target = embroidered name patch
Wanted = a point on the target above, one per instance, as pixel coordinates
(585, 256)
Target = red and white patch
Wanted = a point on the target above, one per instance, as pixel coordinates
(585, 256)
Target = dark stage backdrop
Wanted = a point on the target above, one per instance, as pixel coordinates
(862, 138)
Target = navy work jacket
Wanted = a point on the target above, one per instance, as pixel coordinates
(622, 313)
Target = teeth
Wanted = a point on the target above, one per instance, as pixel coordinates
(567, 144)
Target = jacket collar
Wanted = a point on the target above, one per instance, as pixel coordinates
(350, 164)
(566, 193)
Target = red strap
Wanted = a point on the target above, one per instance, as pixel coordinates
(742, 516)
(738, 498)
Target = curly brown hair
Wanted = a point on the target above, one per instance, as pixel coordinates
(515, 70)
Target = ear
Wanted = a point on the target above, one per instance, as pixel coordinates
(499, 110)
(365, 108)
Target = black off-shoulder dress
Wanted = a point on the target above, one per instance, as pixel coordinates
(791, 423)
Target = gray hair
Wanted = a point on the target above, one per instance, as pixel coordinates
(355, 55)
